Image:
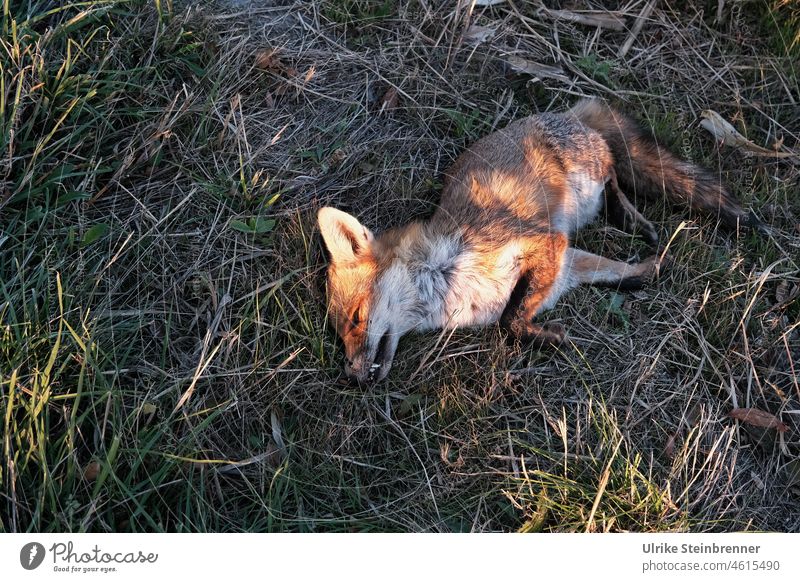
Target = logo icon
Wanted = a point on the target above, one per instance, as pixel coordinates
(31, 555)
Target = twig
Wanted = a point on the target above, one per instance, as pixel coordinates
(637, 27)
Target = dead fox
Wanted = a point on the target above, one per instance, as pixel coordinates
(498, 246)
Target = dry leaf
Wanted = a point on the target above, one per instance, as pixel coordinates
(337, 156)
(389, 99)
(727, 134)
(91, 471)
(269, 60)
(611, 20)
(756, 417)
(477, 34)
(148, 412)
(784, 295)
(521, 65)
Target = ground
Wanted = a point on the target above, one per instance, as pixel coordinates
(165, 361)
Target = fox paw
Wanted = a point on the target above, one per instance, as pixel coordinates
(551, 334)
(548, 334)
(648, 232)
(649, 270)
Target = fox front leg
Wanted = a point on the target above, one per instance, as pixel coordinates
(538, 335)
(541, 266)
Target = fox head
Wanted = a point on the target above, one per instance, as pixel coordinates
(371, 295)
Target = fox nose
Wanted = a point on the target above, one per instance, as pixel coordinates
(353, 381)
(354, 377)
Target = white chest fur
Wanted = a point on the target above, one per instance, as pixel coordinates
(478, 289)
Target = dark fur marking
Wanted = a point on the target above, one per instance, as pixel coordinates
(627, 284)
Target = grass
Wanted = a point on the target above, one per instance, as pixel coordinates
(165, 363)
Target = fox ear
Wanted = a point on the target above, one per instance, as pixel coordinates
(343, 234)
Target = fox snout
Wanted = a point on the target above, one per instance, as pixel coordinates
(356, 369)
(360, 373)
(372, 362)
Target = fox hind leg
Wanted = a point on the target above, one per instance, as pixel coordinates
(553, 268)
(621, 213)
(587, 268)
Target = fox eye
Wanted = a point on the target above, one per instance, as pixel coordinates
(355, 319)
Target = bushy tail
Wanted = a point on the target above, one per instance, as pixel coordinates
(646, 169)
